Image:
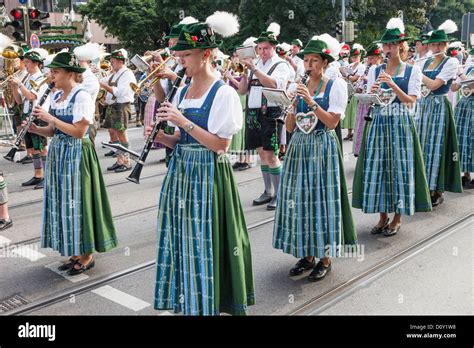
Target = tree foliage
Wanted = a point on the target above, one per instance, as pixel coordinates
(141, 24)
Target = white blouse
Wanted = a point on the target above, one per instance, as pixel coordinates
(359, 70)
(225, 115)
(414, 81)
(337, 96)
(449, 70)
(84, 106)
(458, 80)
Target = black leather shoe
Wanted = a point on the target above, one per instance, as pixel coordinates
(388, 232)
(123, 168)
(25, 160)
(82, 268)
(32, 182)
(437, 200)
(466, 180)
(273, 204)
(378, 230)
(302, 266)
(40, 186)
(109, 154)
(263, 199)
(319, 272)
(236, 165)
(114, 166)
(4, 224)
(244, 166)
(469, 185)
(68, 265)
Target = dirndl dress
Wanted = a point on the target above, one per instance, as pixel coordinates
(237, 145)
(350, 115)
(464, 117)
(313, 214)
(437, 134)
(389, 175)
(362, 109)
(149, 118)
(204, 264)
(77, 218)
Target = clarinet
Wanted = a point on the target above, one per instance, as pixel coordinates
(136, 172)
(370, 110)
(21, 134)
(285, 112)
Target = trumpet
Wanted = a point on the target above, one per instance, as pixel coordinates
(151, 78)
(36, 85)
(16, 75)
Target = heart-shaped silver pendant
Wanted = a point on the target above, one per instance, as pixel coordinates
(466, 91)
(387, 96)
(425, 91)
(306, 121)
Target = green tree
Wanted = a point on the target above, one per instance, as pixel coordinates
(450, 9)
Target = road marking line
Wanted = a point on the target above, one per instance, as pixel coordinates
(166, 313)
(4, 241)
(28, 252)
(74, 279)
(122, 298)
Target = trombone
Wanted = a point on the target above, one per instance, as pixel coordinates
(151, 78)
(36, 85)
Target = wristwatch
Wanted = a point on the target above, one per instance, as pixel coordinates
(315, 107)
(188, 128)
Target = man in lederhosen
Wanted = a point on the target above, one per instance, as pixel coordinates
(36, 145)
(119, 98)
(263, 131)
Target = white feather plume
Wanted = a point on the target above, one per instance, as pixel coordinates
(357, 46)
(448, 27)
(5, 41)
(332, 43)
(124, 53)
(457, 44)
(286, 46)
(250, 42)
(274, 28)
(41, 51)
(224, 23)
(89, 51)
(188, 20)
(395, 23)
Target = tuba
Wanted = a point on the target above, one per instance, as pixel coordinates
(9, 60)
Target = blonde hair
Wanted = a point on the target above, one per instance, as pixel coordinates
(404, 50)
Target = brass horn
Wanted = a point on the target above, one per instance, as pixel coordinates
(137, 88)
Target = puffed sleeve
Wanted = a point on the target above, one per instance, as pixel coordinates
(175, 102)
(360, 70)
(225, 116)
(338, 97)
(282, 75)
(449, 70)
(414, 84)
(371, 77)
(83, 108)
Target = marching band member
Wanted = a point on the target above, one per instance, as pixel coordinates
(263, 131)
(5, 220)
(36, 145)
(464, 117)
(90, 83)
(77, 220)
(389, 175)
(374, 58)
(119, 98)
(434, 120)
(199, 202)
(454, 50)
(237, 144)
(358, 69)
(295, 61)
(313, 216)
(422, 50)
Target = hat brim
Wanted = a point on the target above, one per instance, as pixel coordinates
(394, 40)
(437, 40)
(65, 67)
(167, 37)
(182, 46)
(330, 58)
(261, 39)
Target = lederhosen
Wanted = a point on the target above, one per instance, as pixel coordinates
(34, 141)
(262, 128)
(17, 109)
(119, 113)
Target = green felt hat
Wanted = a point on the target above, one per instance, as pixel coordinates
(438, 36)
(174, 32)
(357, 51)
(317, 47)
(267, 36)
(471, 52)
(33, 55)
(374, 50)
(422, 37)
(196, 35)
(297, 42)
(393, 35)
(67, 61)
(452, 51)
(117, 54)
